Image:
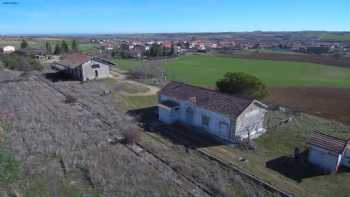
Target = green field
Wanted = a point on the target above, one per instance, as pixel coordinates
(336, 36)
(206, 70)
(126, 64)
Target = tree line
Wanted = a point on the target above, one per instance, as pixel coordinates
(59, 47)
(156, 50)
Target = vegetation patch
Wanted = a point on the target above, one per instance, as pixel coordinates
(130, 88)
(20, 62)
(205, 70)
(136, 102)
(9, 166)
(280, 142)
(126, 64)
(336, 36)
(242, 84)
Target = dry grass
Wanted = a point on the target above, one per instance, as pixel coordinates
(69, 145)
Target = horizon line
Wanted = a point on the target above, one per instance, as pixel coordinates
(139, 33)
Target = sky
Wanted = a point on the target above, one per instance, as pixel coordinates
(167, 16)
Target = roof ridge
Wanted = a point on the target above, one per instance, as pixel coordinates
(215, 91)
(330, 136)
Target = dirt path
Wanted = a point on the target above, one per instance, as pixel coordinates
(121, 76)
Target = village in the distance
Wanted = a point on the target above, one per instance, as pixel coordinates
(206, 114)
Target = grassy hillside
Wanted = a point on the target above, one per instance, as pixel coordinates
(205, 70)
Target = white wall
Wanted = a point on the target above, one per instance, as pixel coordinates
(89, 72)
(9, 49)
(346, 157)
(323, 159)
(251, 121)
(214, 123)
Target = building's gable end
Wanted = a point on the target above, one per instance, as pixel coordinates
(250, 122)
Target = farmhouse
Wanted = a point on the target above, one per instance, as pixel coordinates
(83, 67)
(326, 151)
(227, 117)
(8, 49)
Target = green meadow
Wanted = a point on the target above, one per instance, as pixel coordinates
(336, 36)
(205, 70)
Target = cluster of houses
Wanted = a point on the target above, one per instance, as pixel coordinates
(276, 41)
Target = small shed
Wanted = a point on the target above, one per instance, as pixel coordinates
(326, 151)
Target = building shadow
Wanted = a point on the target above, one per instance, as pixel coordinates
(295, 168)
(59, 76)
(190, 138)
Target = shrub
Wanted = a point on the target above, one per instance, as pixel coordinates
(131, 136)
(9, 167)
(147, 71)
(242, 84)
(247, 145)
(24, 44)
(20, 62)
(70, 99)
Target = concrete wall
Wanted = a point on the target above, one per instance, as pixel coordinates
(168, 116)
(88, 72)
(346, 157)
(251, 121)
(216, 121)
(323, 159)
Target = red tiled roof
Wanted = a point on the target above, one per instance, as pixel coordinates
(208, 99)
(74, 59)
(327, 142)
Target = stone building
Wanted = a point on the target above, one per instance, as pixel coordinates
(83, 67)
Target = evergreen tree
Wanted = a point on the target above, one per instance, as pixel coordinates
(57, 50)
(242, 84)
(48, 47)
(75, 46)
(156, 50)
(64, 47)
(24, 44)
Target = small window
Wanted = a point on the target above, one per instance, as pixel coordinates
(205, 120)
(95, 66)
